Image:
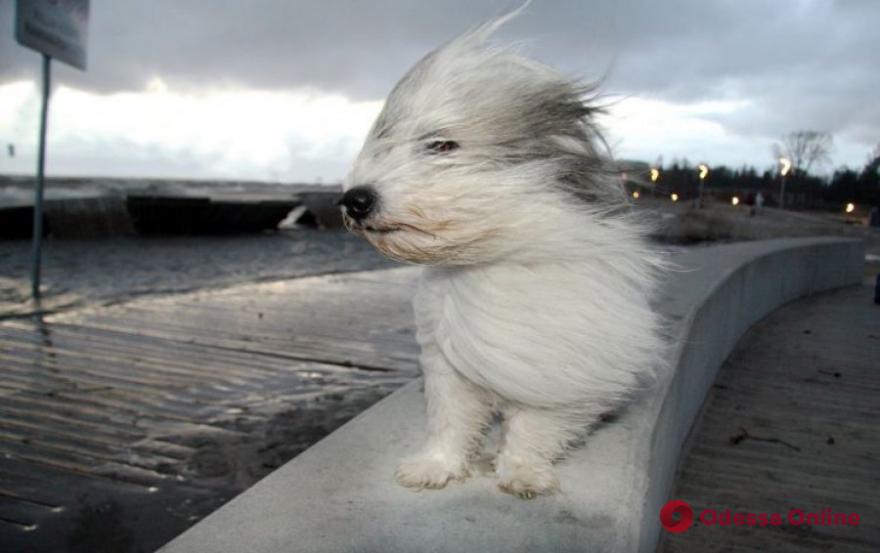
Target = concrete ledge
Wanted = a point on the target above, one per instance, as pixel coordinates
(339, 495)
(146, 214)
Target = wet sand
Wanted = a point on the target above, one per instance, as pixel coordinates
(122, 425)
(85, 423)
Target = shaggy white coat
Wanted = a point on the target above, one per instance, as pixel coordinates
(534, 300)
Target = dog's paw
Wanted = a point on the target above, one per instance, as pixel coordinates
(428, 472)
(528, 481)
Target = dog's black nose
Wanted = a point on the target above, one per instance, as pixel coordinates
(359, 202)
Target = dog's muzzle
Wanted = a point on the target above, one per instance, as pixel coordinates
(359, 202)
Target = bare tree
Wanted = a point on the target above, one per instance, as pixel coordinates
(872, 165)
(804, 149)
(874, 155)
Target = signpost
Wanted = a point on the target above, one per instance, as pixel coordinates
(57, 29)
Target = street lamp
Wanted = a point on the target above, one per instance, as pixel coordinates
(784, 167)
(734, 200)
(655, 176)
(704, 172)
(850, 207)
(673, 197)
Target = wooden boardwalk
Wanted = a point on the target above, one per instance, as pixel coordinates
(793, 421)
(121, 426)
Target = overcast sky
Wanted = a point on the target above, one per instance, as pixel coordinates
(285, 90)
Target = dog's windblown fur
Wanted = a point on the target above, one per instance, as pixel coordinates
(484, 167)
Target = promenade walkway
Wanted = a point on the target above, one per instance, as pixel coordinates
(792, 422)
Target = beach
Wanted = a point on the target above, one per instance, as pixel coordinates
(130, 431)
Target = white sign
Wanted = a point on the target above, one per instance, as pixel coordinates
(57, 28)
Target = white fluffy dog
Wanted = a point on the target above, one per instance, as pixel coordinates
(483, 166)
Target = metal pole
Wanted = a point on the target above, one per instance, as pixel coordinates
(782, 193)
(38, 192)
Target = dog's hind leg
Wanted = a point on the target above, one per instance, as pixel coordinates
(458, 413)
(532, 439)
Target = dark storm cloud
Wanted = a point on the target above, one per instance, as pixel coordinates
(352, 47)
(798, 64)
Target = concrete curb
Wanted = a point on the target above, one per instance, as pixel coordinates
(339, 495)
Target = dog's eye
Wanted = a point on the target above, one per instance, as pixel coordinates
(442, 146)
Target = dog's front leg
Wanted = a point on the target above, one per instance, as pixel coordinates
(532, 439)
(458, 412)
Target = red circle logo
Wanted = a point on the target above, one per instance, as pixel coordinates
(685, 516)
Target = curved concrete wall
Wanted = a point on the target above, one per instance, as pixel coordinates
(339, 495)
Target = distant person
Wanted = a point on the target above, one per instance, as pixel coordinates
(877, 290)
(757, 204)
